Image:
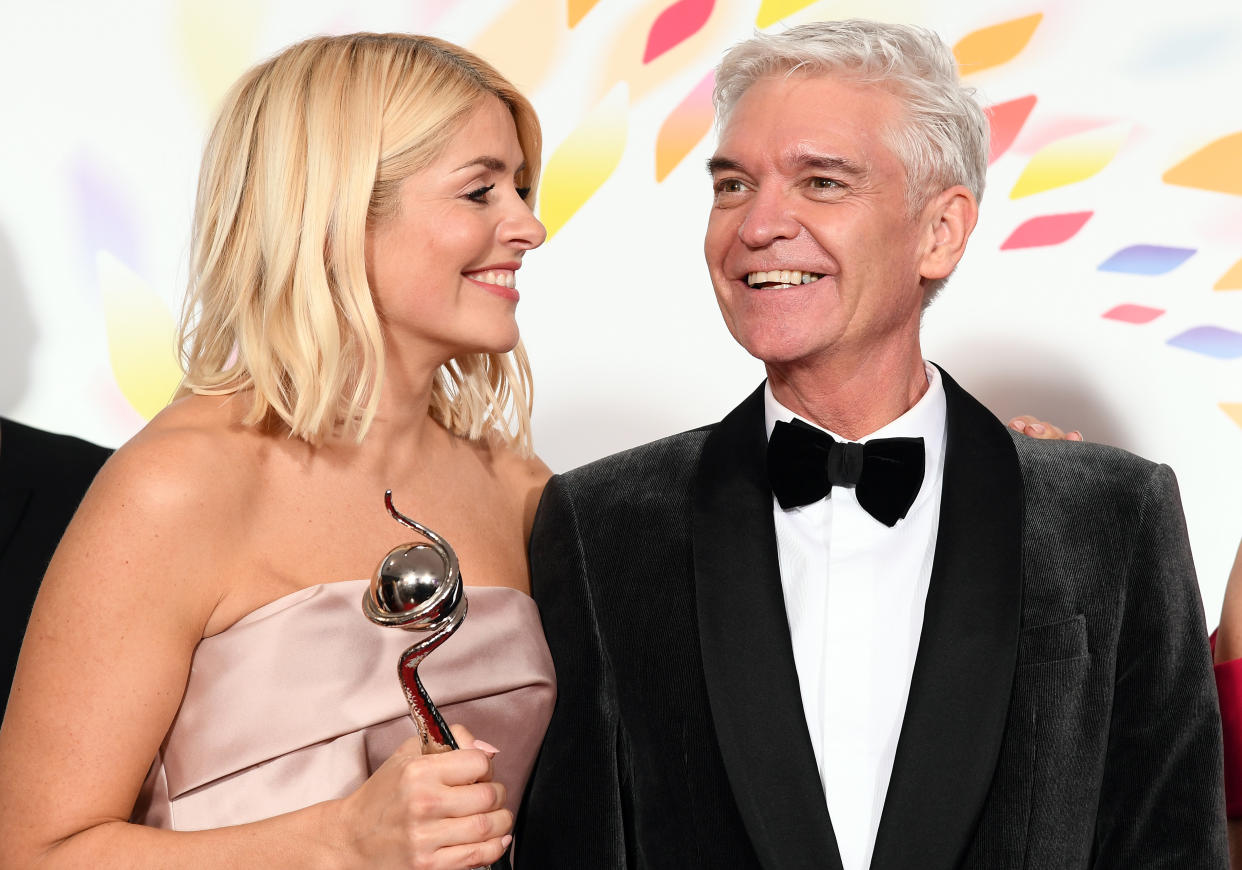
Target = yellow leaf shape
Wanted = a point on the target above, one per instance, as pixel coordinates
(523, 41)
(995, 45)
(585, 160)
(579, 8)
(1070, 160)
(141, 337)
(1234, 410)
(1231, 280)
(1216, 167)
(218, 41)
(772, 11)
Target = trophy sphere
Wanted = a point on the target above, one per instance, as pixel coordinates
(409, 577)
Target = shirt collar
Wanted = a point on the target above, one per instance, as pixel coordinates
(926, 420)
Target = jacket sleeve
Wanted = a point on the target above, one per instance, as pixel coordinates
(1162, 799)
(573, 813)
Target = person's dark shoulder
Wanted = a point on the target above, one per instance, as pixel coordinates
(30, 456)
(663, 464)
(1095, 477)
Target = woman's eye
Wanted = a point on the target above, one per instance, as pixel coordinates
(480, 194)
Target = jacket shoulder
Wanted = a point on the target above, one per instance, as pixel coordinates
(662, 466)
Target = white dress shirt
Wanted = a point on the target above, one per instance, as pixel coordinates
(854, 595)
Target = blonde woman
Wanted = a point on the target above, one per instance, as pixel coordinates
(199, 686)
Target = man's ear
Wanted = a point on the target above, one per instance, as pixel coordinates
(950, 218)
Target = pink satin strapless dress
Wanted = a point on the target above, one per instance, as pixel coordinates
(298, 702)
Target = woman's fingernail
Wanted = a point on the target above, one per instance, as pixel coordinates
(486, 747)
(1075, 435)
(1037, 428)
(1019, 425)
(506, 840)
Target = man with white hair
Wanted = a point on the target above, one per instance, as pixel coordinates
(858, 623)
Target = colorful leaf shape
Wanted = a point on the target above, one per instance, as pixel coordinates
(1146, 260)
(1234, 410)
(1133, 313)
(1071, 160)
(1213, 341)
(995, 45)
(1216, 167)
(685, 126)
(219, 41)
(523, 42)
(675, 25)
(772, 11)
(584, 161)
(1006, 120)
(1231, 280)
(578, 9)
(141, 337)
(1046, 230)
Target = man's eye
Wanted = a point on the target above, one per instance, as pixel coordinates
(825, 183)
(480, 194)
(729, 185)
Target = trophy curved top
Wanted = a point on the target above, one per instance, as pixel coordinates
(418, 585)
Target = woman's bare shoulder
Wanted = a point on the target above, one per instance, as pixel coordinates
(523, 476)
(192, 453)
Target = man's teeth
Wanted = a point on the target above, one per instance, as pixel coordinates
(782, 276)
(503, 277)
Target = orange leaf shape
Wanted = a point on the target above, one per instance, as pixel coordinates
(1216, 167)
(995, 45)
(685, 127)
(1006, 120)
(1231, 280)
(584, 161)
(1234, 410)
(675, 25)
(579, 8)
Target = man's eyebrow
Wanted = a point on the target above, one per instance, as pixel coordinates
(722, 164)
(495, 164)
(829, 164)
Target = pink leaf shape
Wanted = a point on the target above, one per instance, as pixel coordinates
(1133, 313)
(675, 25)
(1006, 120)
(685, 127)
(1049, 229)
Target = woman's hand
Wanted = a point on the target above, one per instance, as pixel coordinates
(1042, 429)
(429, 812)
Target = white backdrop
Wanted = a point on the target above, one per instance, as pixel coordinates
(1135, 121)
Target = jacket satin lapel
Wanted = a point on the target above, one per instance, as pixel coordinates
(963, 674)
(752, 682)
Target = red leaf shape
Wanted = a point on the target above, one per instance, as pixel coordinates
(1006, 120)
(675, 25)
(1049, 229)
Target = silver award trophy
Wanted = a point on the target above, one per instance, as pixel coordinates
(418, 587)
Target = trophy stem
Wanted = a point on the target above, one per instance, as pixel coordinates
(431, 727)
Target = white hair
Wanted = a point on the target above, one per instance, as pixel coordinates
(944, 140)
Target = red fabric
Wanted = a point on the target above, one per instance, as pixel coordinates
(1229, 689)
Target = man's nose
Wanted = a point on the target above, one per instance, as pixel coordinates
(769, 216)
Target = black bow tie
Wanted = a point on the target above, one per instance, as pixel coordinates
(804, 464)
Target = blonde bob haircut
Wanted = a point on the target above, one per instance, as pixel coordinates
(310, 148)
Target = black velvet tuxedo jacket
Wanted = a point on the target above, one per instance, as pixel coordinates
(1062, 712)
(42, 479)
